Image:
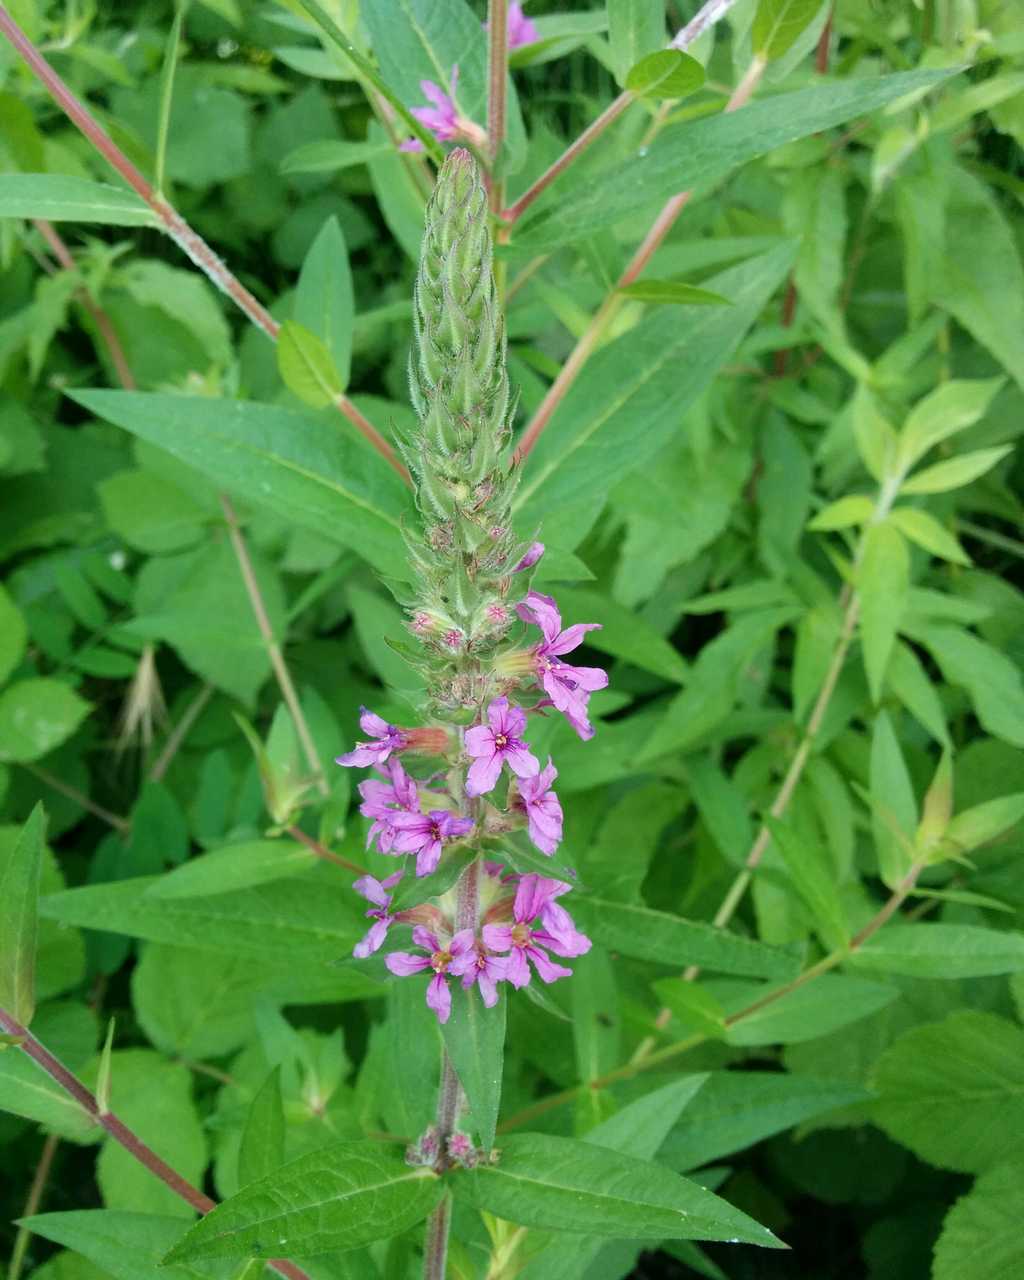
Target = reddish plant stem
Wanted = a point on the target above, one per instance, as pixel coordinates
(188, 240)
(32, 1203)
(781, 357)
(592, 335)
(824, 44)
(120, 1132)
(114, 820)
(708, 15)
(180, 732)
(321, 851)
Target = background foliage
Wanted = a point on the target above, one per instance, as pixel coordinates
(725, 485)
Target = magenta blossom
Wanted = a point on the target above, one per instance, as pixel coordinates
(439, 958)
(532, 554)
(568, 687)
(388, 738)
(425, 833)
(375, 892)
(382, 801)
(498, 743)
(480, 965)
(534, 897)
(542, 808)
(521, 29)
(442, 119)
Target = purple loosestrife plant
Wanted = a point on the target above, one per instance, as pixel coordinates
(471, 588)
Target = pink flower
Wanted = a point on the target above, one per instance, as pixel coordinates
(425, 833)
(533, 553)
(535, 897)
(375, 891)
(477, 964)
(442, 119)
(383, 800)
(438, 958)
(521, 29)
(388, 738)
(568, 687)
(542, 808)
(498, 743)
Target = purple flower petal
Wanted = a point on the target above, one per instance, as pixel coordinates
(402, 964)
(483, 774)
(423, 937)
(546, 968)
(439, 998)
(523, 763)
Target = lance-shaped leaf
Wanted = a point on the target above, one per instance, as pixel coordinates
(19, 894)
(562, 1185)
(475, 1039)
(306, 366)
(668, 73)
(262, 1149)
(340, 1197)
(813, 880)
(883, 578)
(778, 23)
(698, 153)
(942, 951)
(61, 198)
(308, 468)
(324, 300)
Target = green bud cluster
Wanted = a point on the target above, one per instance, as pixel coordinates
(459, 453)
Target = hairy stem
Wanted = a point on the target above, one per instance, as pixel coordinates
(497, 44)
(636, 1064)
(180, 732)
(188, 240)
(322, 851)
(593, 333)
(114, 820)
(120, 1132)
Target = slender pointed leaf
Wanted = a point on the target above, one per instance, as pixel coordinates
(19, 894)
(475, 1039)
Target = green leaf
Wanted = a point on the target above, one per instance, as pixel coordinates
(306, 917)
(953, 1091)
(475, 1039)
(636, 28)
(19, 895)
(698, 153)
(262, 1149)
(13, 634)
(668, 73)
(306, 366)
(992, 680)
(127, 1246)
(692, 1005)
(926, 531)
(722, 808)
(36, 716)
(308, 469)
(562, 1185)
(624, 634)
(331, 156)
(69, 1032)
(151, 513)
(324, 300)
(949, 409)
(596, 1031)
(778, 23)
(666, 939)
(981, 1237)
(883, 579)
(894, 816)
(814, 1009)
(855, 509)
(61, 198)
(674, 291)
(735, 1109)
(984, 822)
(908, 680)
(814, 880)
(340, 1197)
(237, 866)
(941, 951)
(955, 473)
(627, 403)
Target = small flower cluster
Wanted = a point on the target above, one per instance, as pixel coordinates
(442, 117)
(455, 792)
(423, 819)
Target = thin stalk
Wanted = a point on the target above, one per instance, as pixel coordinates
(321, 851)
(497, 81)
(114, 820)
(591, 336)
(277, 661)
(188, 240)
(120, 1132)
(32, 1203)
(709, 14)
(449, 1096)
(637, 1065)
(180, 732)
(163, 123)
